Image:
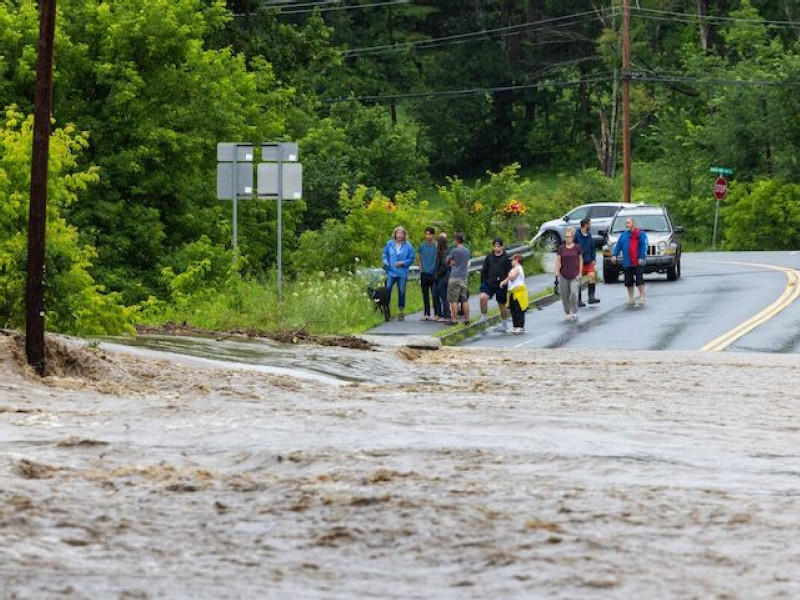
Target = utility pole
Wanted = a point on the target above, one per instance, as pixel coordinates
(626, 101)
(37, 220)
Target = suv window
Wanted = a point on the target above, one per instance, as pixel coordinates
(646, 222)
(578, 214)
(603, 212)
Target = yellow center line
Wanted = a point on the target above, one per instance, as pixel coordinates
(790, 293)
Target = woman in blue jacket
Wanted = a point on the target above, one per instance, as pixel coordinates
(398, 255)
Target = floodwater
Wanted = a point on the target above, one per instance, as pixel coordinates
(399, 473)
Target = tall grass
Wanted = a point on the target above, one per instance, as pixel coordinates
(333, 304)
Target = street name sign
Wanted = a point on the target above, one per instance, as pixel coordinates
(721, 170)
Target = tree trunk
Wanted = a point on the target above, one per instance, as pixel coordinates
(705, 28)
(607, 145)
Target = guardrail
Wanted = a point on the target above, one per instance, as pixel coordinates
(475, 264)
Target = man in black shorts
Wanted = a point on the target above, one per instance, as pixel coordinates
(495, 269)
(632, 245)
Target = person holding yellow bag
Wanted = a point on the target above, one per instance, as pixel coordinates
(517, 294)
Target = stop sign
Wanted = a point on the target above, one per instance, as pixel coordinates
(720, 188)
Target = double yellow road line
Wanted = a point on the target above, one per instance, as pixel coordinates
(789, 295)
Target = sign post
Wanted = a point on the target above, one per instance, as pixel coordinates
(280, 176)
(234, 179)
(720, 191)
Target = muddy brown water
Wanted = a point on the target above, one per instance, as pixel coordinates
(400, 474)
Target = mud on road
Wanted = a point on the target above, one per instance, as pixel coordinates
(451, 474)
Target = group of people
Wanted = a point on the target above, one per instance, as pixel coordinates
(577, 257)
(444, 271)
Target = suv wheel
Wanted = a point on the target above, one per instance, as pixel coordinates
(674, 272)
(610, 274)
(550, 241)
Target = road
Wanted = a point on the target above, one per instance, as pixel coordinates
(716, 293)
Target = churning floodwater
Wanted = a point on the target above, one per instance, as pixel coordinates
(398, 473)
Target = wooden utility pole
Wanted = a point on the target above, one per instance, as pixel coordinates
(37, 220)
(626, 101)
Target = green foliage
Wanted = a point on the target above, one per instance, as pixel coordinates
(74, 302)
(478, 210)
(370, 218)
(762, 216)
(383, 155)
(551, 201)
(322, 302)
(138, 76)
(475, 210)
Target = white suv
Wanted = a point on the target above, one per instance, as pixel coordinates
(551, 233)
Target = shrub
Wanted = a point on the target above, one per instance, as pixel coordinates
(74, 303)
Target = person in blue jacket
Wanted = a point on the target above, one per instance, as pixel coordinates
(398, 255)
(583, 237)
(633, 246)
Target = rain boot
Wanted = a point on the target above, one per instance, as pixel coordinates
(581, 303)
(592, 298)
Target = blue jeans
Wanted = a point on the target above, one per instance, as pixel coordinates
(401, 289)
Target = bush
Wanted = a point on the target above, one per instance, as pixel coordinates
(762, 216)
(370, 218)
(74, 303)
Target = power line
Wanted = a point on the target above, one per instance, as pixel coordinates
(716, 82)
(345, 7)
(292, 4)
(650, 13)
(321, 6)
(508, 30)
(468, 91)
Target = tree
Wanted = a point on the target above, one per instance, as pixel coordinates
(74, 302)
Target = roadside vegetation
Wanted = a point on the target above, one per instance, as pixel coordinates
(145, 89)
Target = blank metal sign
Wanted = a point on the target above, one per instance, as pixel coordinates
(292, 180)
(244, 180)
(227, 150)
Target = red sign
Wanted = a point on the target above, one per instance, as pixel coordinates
(720, 188)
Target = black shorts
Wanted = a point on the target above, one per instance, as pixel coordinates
(498, 292)
(632, 273)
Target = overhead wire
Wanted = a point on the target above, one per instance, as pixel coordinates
(572, 19)
(345, 7)
(321, 6)
(711, 81)
(469, 91)
(682, 17)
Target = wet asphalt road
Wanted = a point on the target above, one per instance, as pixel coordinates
(713, 296)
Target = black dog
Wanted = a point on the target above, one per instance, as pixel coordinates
(380, 297)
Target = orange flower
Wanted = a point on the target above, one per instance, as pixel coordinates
(514, 208)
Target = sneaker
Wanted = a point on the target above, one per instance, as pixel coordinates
(594, 300)
(401, 317)
(630, 303)
(484, 318)
(517, 330)
(501, 328)
(640, 301)
(581, 304)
